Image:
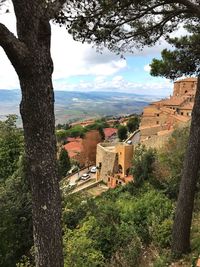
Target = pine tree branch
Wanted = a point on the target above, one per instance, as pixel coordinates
(191, 6)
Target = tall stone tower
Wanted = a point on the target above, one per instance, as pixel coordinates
(185, 86)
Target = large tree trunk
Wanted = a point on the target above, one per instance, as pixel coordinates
(38, 121)
(185, 203)
(30, 56)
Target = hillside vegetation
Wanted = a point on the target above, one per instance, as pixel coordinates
(128, 226)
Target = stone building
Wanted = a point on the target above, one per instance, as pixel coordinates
(114, 162)
(160, 118)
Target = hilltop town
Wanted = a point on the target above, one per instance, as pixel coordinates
(112, 157)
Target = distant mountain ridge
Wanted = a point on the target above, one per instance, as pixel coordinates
(75, 105)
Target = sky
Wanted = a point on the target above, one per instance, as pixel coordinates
(78, 67)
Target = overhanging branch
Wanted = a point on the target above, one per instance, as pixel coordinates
(15, 49)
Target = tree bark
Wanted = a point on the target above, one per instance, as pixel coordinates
(30, 56)
(185, 203)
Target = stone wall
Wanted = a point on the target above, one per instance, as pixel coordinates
(157, 141)
(148, 131)
(183, 86)
(107, 160)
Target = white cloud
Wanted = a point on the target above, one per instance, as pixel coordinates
(152, 86)
(147, 68)
(73, 59)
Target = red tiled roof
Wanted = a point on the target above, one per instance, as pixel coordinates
(174, 101)
(73, 148)
(188, 106)
(109, 132)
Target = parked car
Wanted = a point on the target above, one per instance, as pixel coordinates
(72, 184)
(85, 176)
(73, 169)
(93, 169)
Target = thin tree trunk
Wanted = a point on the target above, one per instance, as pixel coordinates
(185, 203)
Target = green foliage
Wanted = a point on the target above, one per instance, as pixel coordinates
(64, 164)
(161, 232)
(76, 207)
(101, 132)
(63, 131)
(170, 161)
(133, 124)
(114, 227)
(143, 210)
(64, 126)
(79, 249)
(15, 217)
(184, 59)
(161, 260)
(105, 23)
(143, 161)
(99, 125)
(76, 131)
(11, 147)
(129, 254)
(27, 261)
(122, 132)
(61, 135)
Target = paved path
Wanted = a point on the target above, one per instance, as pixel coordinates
(74, 179)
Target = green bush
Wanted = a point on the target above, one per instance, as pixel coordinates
(142, 168)
(161, 233)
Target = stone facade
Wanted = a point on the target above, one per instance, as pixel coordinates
(182, 87)
(112, 160)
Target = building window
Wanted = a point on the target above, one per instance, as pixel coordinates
(158, 115)
(157, 122)
(181, 113)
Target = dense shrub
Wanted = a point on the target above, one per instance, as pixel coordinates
(118, 220)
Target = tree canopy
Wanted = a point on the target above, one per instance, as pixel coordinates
(184, 59)
(11, 146)
(124, 25)
(122, 132)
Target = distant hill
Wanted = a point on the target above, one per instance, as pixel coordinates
(72, 106)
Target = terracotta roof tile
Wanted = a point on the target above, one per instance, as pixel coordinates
(73, 148)
(109, 132)
(174, 101)
(188, 106)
